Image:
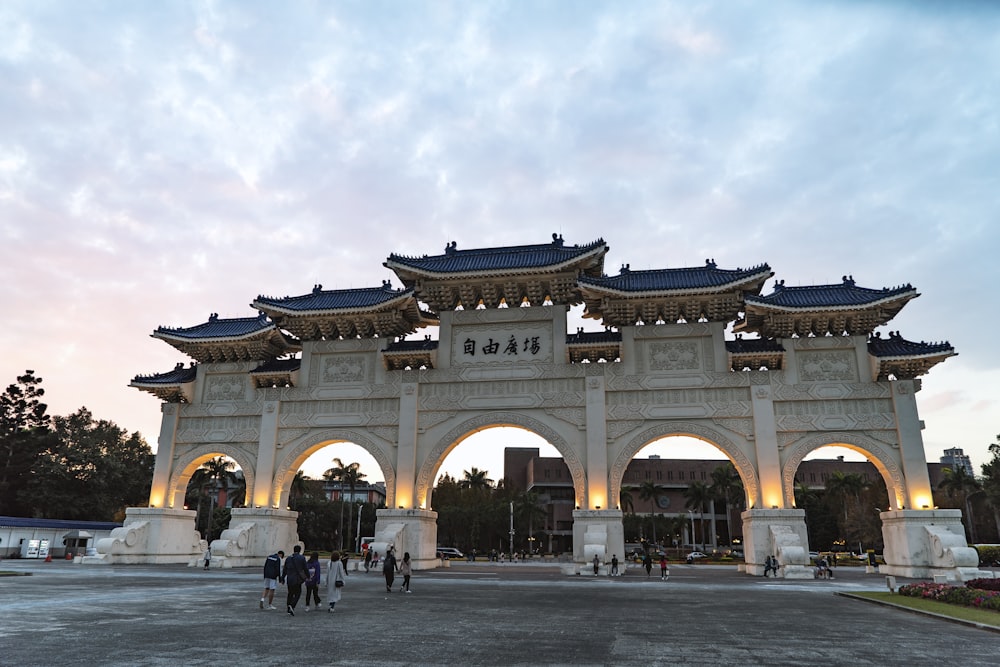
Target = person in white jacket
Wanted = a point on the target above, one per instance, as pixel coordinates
(335, 579)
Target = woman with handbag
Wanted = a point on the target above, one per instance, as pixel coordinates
(334, 580)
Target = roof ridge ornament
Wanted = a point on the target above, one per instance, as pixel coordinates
(557, 239)
(710, 263)
(450, 248)
(317, 288)
(214, 317)
(848, 280)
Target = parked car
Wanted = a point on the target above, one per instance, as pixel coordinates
(449, 552)
(695, 555)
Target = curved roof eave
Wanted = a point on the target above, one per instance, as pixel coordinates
(904, 298)
(459, 275)
(374, 308)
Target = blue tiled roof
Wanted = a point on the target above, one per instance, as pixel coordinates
(179, 375)
(412, 345)
(56, 524)
(658, 280)
(215, 327)
(593, 337)
(497, 259)
(346, 299)
(278, 366)
(753, 345)
(844, 294)
(897, 346)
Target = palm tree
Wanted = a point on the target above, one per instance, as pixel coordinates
(336, 474)
(698, 495)
(728, 487)
(527, 509)
(212, 472)
(476, 479)
(847, 487)
(650, 490)
(991, 481)
(625, 500)
(960, 485)
(351, 475)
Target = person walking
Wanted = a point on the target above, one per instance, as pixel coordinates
(389, 568)
(335, 580)
(368, 560)
(406, 569)
(272, 572)
(614, 565)
(312, 583)
(208, 557)
(296, 573)
(597, 564)
(664, 568)
(647, 562)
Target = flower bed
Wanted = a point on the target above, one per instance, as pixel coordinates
(960, 595)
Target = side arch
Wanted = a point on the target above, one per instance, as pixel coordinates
(183, 468)
(744, 466)
(454, 437)
(300, 448)
(883, 461)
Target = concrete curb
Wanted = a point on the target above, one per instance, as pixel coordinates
(921, 612)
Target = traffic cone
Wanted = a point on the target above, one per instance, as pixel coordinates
(48, 558)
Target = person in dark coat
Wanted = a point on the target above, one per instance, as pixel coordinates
(312, 583)
(389, 568)
(296, 573)
(272, 572)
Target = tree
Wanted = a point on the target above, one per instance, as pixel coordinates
(959, 485)
(844, 489)
(90, 470)
(24, 433)
(698, 494)
(526, 510)
(211, 473)
(351, 475)
(728, 487)
(626, 501)
(650, 490)
(476, 479)
(991, 481)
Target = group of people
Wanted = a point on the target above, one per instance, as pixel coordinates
(296, 572)
(771, 565)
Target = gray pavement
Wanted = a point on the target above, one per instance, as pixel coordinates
(468, 614)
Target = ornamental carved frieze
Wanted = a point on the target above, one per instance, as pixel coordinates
(625, 412)
(675, 356)
(691, 330)
(219, 429)
(346, 345)
(230, 387)
(340, 368)
(758, 378)
(388, 434)
(322, 413)
(833, 422)
(617, 429)
(385, 417)
(784, 439)
(889, 437)
(824, 343)
(827, 366)
(430, 419)
(575, 416)
(870, 406)
(727, 379)
(742, 427)
(833, 390)
(290, 434)
(736, 409)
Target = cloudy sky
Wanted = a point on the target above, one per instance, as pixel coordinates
(163, 161)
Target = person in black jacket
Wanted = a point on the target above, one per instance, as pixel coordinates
(272, 572)
(295, 574)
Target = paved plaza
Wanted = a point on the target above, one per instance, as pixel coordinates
(468, 614)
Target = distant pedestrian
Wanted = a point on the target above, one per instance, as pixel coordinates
(295, 573)
(368, 560)
(597, 564)
(389, 569)
(614, 565)
(335, 580)
(647, 562)
(208, 557)
(312, 583)
(406, 569)
(768, 566)
(272, 572)
(664, 568)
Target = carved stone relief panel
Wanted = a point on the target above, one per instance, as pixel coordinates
(219, 429)
(827, 366)
(229, 387)
(681, 355)
(342, 412)
(339, 368)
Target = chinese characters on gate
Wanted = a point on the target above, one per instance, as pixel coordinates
(475, 347)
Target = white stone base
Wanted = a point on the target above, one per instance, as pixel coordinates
(600, 533)
(924, 544)
(151, 535)
(408, 530)
(780, 533)
(253, 535)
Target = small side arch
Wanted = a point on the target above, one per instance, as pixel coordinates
(454, 437)
(883, 461)
(183, 468)
(302, 447)
(744, 466)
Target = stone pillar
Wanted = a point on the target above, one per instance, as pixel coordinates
(911, 446)
(255, 533)
(412, 530)
(597, 446)
(780, 533)
(406, 449)
(597, 532)
(163, 467)
(924, 543)
(262, 494)
(770, 494)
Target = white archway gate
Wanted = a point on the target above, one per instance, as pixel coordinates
(663, 366)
